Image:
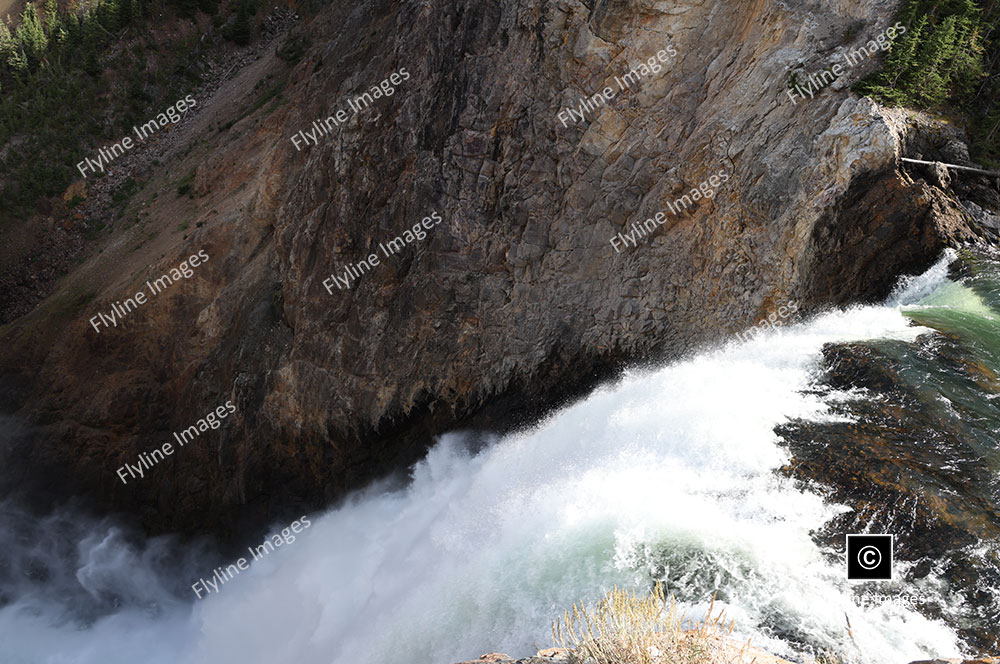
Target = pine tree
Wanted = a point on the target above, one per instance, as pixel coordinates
(134, 9)
(932, 86)
(899, 64)
(17, 61)
(124, 13)
(30, 35)
(240, 31)
(967, 67)
(94, 34)
(6, 42)
(51, 11)
(108, 15)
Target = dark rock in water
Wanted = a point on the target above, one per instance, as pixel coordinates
(855, 366)
(907, 465)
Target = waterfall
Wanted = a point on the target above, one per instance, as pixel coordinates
(665, 474)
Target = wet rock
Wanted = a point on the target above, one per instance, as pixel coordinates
(891, 444)
(884, 218)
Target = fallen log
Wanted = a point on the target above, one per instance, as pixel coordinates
(980, 171)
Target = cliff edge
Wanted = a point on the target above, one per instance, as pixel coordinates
(515, 263)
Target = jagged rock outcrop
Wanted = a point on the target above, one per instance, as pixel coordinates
(517, 298)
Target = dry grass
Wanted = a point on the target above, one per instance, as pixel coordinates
(624, 628)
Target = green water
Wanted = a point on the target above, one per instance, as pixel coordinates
(917, 450)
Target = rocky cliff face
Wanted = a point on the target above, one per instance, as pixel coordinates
(517, 297)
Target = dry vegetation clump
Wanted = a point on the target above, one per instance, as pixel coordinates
(625, 628)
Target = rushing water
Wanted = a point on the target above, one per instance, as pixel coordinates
(668, 474)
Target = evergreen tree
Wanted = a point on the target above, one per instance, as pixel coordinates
(124, 13)
(17, 61)
(947, 60)
(904, 52)
(30, 35)
(6, 42)
(932, 86)
(51, 11)
(967, 67)
(11, 58)
(240, 31)
(108, 15)
(74, 29)
(94, 33)
(129, 11)
(186, 7)
(938, 58)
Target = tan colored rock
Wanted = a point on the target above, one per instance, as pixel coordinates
(77, 189)
(553, 653)
(490, 657)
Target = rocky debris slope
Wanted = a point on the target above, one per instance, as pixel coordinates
(731, 653)
(721, 650)
(89, 205)
(517, 298)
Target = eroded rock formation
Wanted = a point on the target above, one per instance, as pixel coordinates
(517, 298)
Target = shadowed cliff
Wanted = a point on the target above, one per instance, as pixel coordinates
(517, 299)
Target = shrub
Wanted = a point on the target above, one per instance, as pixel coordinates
(239, 30)
(293, 47)
(125, 191)
(625, 628)
(185, 184)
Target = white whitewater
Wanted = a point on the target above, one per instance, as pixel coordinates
(666, 473)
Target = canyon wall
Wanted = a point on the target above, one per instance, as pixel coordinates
(517, 299)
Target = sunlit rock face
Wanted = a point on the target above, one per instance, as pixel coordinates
(541, 276)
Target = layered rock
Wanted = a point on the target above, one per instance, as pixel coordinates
(517, 299)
